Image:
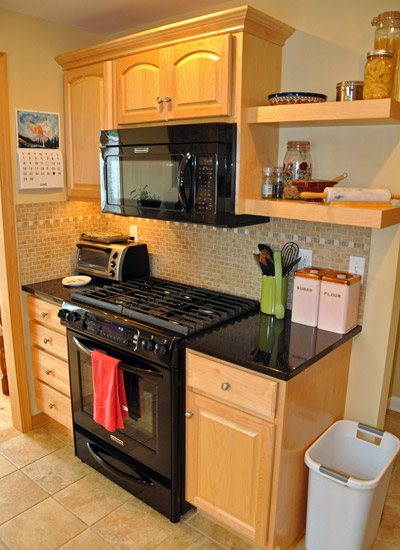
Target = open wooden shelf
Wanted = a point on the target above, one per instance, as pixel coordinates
(359, 215)
(332, 113)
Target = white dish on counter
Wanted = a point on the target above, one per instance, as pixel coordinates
(76, 280)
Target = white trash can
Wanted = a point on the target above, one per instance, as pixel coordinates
(347, 485)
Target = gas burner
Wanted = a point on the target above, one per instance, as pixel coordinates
(175, 306)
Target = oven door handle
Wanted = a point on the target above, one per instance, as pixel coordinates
(127, 368)
(113, 470)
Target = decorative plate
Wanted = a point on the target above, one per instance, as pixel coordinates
(292, 98)
(76, 280)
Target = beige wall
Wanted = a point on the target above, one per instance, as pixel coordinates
(35, 80)
(329, 45)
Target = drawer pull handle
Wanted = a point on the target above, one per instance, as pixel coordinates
(44, 313)
(167, 99)
(159, 100)
(48, 371)
(225, 386)
(51, 405)
(46, 340)
(189, 414)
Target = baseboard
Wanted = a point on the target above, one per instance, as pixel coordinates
(39, 420)
(394, 404)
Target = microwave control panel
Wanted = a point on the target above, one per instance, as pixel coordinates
(205, 184)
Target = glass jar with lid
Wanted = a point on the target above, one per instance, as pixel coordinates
(268, 186)
(378, 75)
(387, 37)
(297, 164)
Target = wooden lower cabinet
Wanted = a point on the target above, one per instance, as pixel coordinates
(49, 361)
(245, 464)
(229, 471)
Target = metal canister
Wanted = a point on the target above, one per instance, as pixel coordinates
(349, 90)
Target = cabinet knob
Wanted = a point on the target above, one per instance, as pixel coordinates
(48, 371)
(51, 405)
(43, 313)
(225, 386)
(159, 100)
(46, 340)
(189, 414)
(167, 99)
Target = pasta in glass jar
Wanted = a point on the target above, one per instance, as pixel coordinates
(387, 37)
(378, 75)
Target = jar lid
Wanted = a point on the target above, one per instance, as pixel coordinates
(386, 53)
(350, 83)
(268, 170)
(386, 15)
(298, 144)
(341, 277)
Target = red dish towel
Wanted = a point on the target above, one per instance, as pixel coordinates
(109, 398)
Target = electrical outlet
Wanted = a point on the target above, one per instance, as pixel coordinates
(306, 258)
(133, 232)
(357, 266)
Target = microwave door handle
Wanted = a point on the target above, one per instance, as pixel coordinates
(94, 450)
(123, 366)
(181, 181)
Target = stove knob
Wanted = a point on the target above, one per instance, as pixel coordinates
(115, 255)
(72, 316)
(112, 263)
(148, 345)
(111, 273)
(162, 349)
(62, 313)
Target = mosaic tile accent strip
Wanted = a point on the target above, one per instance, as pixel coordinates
(217, 258)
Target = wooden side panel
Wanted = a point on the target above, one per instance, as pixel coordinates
(201, 78)
(88, 109)
(140, 80)
(45, 313)
(48, 339)
(53, 403)
(229, 465)
(244, 390)
(51, 370)
(314, 400)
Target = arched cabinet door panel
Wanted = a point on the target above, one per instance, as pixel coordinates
(88, 109)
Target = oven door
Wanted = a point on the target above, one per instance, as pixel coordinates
(146, 436)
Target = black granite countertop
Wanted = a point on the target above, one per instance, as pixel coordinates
(257, 341)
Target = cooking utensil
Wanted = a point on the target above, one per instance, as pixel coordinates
(266, 260)
(316, 185)
(266, 269)
(288, 268)
(290, 252)
(262, 247)
(279, 308)
(355, 194)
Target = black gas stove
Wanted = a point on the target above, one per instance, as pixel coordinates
(143, 323)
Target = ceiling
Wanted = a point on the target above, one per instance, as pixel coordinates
(103, 16)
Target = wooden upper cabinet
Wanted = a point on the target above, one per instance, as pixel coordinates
(188, 80)
(88, 109)
(140, 79)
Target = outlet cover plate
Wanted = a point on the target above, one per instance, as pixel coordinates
(306, 258)
(357, 266)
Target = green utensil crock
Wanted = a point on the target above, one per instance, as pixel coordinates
(268, 294)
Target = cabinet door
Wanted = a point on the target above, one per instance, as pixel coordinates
(229, 462)
(200, 78)
(88, 109)
(141, 87)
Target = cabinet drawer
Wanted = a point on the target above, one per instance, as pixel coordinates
(53, 403)
(48, 339)
(44, 313)
(236, 387)
(51, 370)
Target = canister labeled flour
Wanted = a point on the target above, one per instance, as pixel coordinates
(339, 300)
(306, 293)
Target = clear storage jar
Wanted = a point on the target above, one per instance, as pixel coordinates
(297, 165)
(378, 75)
(268, 186)
(387, 37)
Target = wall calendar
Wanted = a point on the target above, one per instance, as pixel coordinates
(40, 163)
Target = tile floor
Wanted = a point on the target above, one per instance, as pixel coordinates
(50, 500)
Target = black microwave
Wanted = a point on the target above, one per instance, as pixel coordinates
(182, 173)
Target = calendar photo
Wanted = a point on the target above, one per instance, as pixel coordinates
(38, 130)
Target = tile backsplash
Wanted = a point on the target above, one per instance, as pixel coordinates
(217, 258)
